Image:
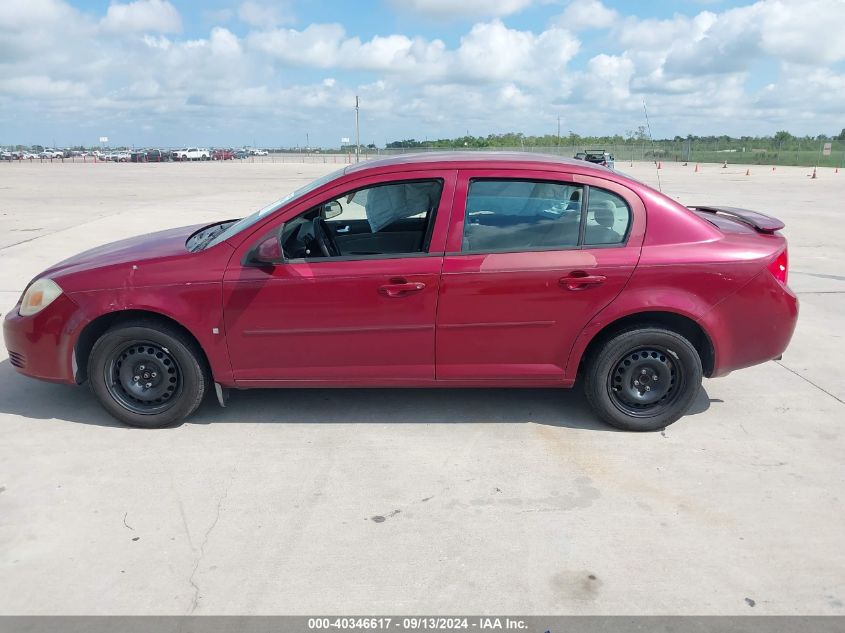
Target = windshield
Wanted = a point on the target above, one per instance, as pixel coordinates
(249, 220)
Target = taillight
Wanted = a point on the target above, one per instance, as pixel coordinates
(779, 267)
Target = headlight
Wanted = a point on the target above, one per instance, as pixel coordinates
(40, 294)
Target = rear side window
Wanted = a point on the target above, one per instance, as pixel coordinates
(521, 215)
(608, 218)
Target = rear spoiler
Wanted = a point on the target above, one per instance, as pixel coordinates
(760, 222)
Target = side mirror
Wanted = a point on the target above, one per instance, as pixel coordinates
(267, 252)
(332, 210)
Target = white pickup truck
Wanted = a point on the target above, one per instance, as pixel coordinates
(194, 153)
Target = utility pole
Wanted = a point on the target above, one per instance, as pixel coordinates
(357, 133)
(558, 130)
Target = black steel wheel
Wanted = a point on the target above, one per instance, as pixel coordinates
(144, 377)
(643, 379)
(148, 373)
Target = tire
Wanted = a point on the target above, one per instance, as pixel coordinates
(643, 379)
(147, 374)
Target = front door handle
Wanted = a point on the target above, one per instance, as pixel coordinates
(580, 280)
(343, 229)
(401, 288)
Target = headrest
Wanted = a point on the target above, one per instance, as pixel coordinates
(604, 211)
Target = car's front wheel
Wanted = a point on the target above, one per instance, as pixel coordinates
(147, 374)
(643, 379)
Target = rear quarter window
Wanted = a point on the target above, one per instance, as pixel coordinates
(608, 218)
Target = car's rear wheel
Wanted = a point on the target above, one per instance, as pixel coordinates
(643, 379)
(147, 374)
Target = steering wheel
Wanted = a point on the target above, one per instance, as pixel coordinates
(325, 238)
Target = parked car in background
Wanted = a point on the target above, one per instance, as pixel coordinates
(599, 157)
(194, 153)
(261, 152)
(241, 154)
(222, 154)
(157, 156)
(422, 270)
(122, 156)
(150, 156)
(5, 155)
(580, 156)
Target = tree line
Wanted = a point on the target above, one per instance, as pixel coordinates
(782, 140)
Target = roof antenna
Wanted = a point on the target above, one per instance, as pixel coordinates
(651, 138)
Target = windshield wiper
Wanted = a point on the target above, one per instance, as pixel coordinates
(207, 239)
(213, 232)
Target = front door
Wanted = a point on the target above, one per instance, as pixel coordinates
(531, 258)
(354, 302)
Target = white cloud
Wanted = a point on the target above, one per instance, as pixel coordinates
(157, 16)
(440, 9)
(608, 79)
(587, 14)
(490, 52)
(264, 16)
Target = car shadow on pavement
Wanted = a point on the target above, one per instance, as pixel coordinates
(34, 399)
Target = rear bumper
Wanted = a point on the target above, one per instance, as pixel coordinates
(753, 325)
(41, 345)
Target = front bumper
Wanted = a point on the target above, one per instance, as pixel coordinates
(41, 345)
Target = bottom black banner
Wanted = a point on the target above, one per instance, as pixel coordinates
(523, 624)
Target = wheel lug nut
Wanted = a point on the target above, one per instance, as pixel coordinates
(154, 375)
(140, 367)
(636, 382)
(654, 378)
(647, 388)
(136, 378)
(643, 372)
(149, 384)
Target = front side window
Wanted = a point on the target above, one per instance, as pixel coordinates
(387, 219)
(521, 215)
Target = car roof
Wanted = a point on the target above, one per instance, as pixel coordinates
(525, 160)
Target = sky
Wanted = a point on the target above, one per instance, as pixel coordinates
(285, 73)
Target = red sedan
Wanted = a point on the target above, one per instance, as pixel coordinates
(435, 270)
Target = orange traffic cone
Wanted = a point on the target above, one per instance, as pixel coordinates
(696, 168)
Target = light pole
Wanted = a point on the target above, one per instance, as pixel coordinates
(558, 132)
(357, 133)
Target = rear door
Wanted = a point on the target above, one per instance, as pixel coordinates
(531, 257)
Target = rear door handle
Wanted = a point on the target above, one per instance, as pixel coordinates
(580, 280)
(401, 288)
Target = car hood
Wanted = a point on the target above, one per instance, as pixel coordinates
(132, 250)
